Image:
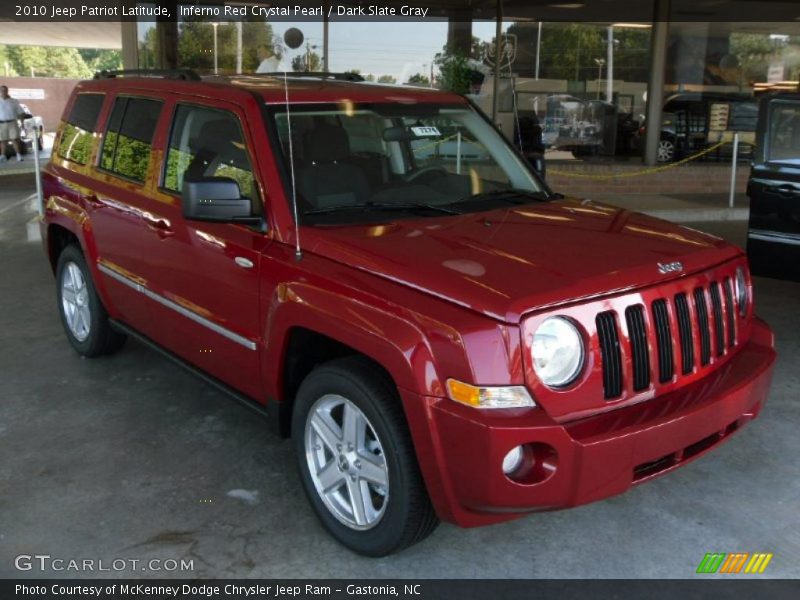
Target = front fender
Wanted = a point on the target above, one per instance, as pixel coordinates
(379, 332)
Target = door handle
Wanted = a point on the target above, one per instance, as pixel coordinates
(785, 190)
(160, 226)
(92, 200)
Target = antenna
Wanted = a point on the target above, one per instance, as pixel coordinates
(298, 253)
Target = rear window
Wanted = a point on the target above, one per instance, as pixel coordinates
(76, 139)
(128, 140)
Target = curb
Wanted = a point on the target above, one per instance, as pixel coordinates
(699, 215)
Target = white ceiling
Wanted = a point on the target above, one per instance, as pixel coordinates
(71, 34)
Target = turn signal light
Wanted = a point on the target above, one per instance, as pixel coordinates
(489, 397)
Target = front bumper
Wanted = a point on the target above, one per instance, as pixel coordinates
(461, 452)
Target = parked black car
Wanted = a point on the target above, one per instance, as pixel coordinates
(773, 236)
(685, 124)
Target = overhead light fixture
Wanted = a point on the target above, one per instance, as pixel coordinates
(571, 5)
(632, 25)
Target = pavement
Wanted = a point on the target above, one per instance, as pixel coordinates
(12, 167)
(130, 457)
(683, 208)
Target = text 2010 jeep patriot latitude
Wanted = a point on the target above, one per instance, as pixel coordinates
(376, 267)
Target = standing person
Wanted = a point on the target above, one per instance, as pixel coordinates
(268, 62)
(10, 111)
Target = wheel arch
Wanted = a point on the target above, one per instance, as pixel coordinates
(309, 327)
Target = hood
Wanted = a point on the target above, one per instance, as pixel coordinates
(504, 263)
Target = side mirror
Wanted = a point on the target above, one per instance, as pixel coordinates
(215, 199)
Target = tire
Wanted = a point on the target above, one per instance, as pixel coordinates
(666, 150)
(83, 315)
(395, 515)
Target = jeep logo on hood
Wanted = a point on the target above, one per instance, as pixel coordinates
(672, 267)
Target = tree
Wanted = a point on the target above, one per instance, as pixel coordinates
(419, 79)
(196, 45)
(367, 77)
(476, 51)
(5, 62)
(754, 53)
(148, 49)
(100, 60)
(387, 79)
(308, 61)
(455, 74)
(48, 62)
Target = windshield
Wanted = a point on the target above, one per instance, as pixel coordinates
(361, 163)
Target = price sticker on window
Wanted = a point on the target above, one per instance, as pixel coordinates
(426, 132)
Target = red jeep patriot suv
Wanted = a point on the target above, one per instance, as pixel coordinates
(377, 270)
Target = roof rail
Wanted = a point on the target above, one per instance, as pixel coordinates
(184, 74)
(317, 74)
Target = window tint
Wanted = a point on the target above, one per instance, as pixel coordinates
(207, 142)
(129, 137)
(76, 138)
(784, 132)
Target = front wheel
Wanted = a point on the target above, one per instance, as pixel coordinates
(666, 150)
(82, 313)
(357, 461)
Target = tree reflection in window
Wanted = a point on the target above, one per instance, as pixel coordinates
(76, 137)
(204, 143)
(129, 137)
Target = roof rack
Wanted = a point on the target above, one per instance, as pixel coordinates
(317, 74)
(184, 74)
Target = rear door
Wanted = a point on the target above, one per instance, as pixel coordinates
(773, 237)
(120, 187)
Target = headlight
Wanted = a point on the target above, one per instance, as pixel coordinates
(741, 291)
(557, 352)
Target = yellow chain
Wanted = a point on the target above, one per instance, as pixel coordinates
(643, 171)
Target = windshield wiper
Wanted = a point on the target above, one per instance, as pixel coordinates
(381, 206)
(513, 195)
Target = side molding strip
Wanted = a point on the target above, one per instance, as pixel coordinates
(776, 237)
(227, 333)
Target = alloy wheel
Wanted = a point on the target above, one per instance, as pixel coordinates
(666, 151)
(346, 462)
(75, 301)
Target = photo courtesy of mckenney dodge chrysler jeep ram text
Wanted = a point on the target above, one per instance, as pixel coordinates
(441, 335)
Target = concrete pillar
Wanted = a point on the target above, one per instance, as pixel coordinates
(610, 65)
(130, 45)
(655, 85)
(459, 32)
(167, 35)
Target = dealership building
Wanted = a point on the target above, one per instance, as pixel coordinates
(566, 62)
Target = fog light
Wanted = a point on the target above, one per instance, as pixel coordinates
(513, 460)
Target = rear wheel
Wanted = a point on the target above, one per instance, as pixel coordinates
(357, 461)
(82, 313)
